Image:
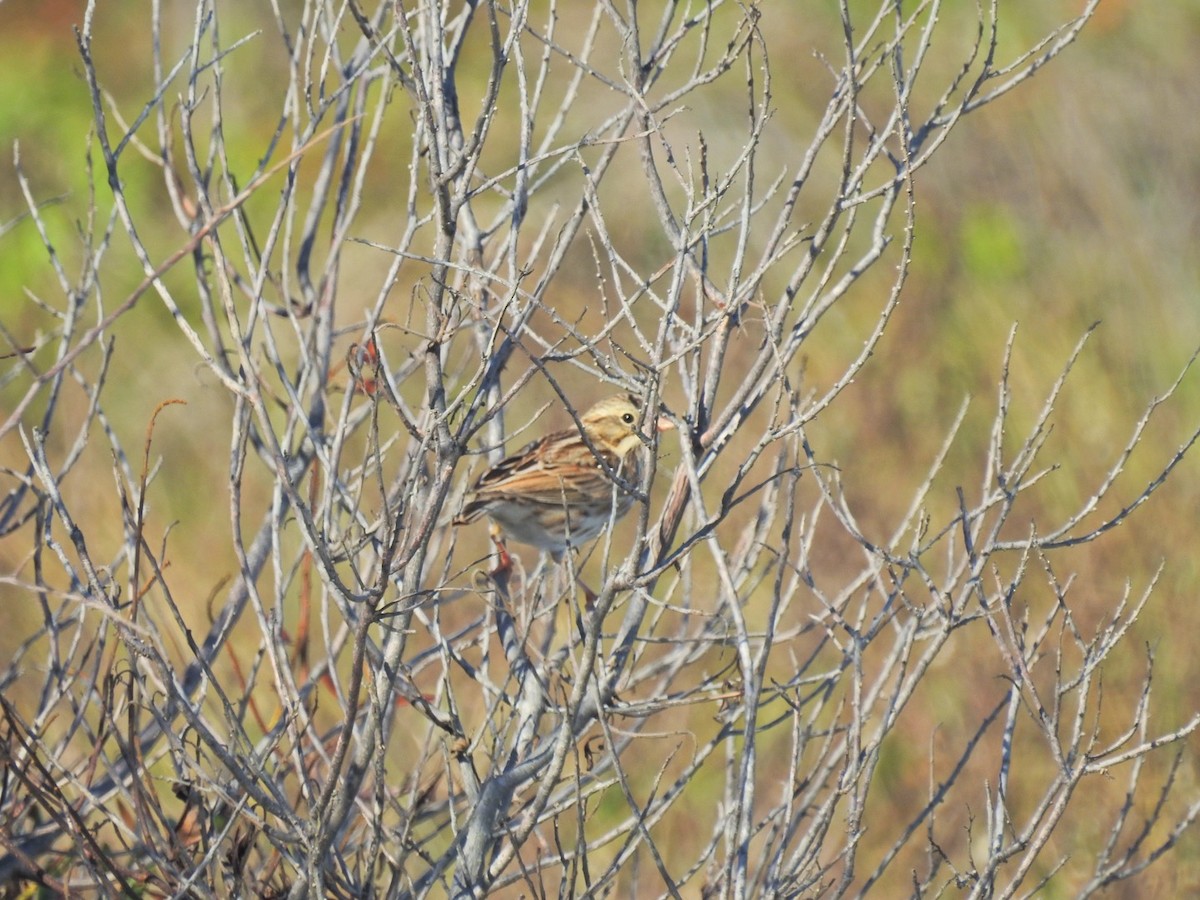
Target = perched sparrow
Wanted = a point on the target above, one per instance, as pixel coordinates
(555, 493)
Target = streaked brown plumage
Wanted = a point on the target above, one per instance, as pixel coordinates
(554, 493)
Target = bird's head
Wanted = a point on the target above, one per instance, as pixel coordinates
(612, 424)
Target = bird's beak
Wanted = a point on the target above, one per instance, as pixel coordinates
(663, 424)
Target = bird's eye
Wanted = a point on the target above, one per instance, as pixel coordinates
(628, 418)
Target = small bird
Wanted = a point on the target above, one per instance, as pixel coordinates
(555, 493)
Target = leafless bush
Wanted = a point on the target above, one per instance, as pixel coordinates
(461, 215)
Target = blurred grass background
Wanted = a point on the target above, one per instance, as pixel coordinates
(1070, 201)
